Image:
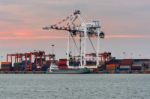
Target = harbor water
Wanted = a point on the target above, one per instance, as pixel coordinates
(74, 86)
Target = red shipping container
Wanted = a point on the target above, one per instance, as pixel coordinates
(126, 62)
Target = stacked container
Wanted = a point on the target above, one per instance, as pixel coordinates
(73, 62)
(125, 64)
(6, 66)
(111, 66)
(146, 64)
(91, 59)
(18, 67)
(62, 64)
(137, 65)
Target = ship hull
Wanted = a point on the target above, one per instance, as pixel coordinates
(71, 71)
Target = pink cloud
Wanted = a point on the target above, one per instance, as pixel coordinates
(33, 36)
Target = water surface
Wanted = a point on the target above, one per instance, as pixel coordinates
(75, 86)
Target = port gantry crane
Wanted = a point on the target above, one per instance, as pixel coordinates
(83, 30)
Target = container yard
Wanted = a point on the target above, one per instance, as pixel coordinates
(39, 62)
(27, 62)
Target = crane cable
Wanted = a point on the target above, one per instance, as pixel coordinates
(92, 44)
(75, 43)
(73, 19)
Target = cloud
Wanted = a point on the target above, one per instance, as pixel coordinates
(23, 19)
(30, 36)
(33, 37)
(123, 36)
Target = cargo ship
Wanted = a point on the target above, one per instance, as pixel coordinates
(62, 68)
(69, 71)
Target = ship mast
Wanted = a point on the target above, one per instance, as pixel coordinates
(83, 30)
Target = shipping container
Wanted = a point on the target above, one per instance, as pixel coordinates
(28, 67)
(136, 68)
(137, 64)
(90, 63)
(62, 59)
(125, 67)
(111, 66)
(114, 61)
(6, 66)
(126, 62)
(6, 63)
(75, 64)
(48, 62)
(62, 62)
(45, 67)
(19, 67)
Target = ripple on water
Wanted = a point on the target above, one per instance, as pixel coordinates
(97, 86)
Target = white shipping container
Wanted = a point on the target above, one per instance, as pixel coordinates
(90, 57)
(148, 62)
(137, 64)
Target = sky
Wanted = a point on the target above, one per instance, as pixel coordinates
(125, 23)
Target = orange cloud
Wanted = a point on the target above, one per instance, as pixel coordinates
(31, 37)
(24, 33)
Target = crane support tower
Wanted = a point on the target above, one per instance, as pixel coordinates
(77, 26)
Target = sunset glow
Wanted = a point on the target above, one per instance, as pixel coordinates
(22, 20)
(21, 36)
